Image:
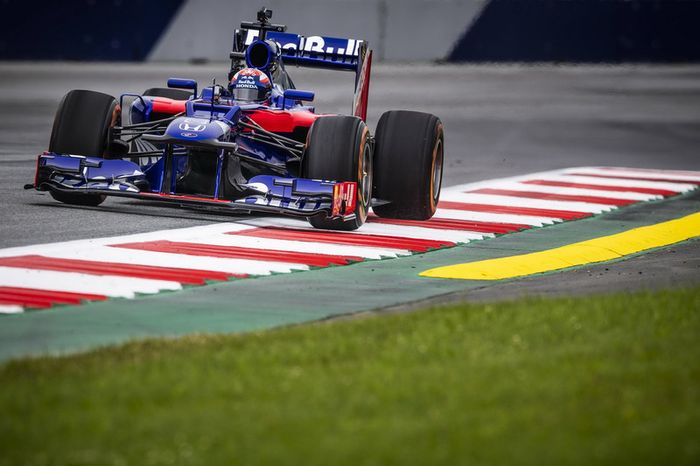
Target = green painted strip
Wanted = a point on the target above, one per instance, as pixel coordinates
(255, 304)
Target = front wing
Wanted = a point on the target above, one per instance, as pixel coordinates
(298, 197)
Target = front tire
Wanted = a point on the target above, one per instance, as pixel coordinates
(90, 200)
(408, 161)
(339, 149)
(81, 127)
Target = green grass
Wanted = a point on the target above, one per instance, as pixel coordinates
(603, 380)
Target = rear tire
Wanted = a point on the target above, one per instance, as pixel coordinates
(81, 127)
(339, 149)
(408, 162)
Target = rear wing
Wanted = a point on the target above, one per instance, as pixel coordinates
(332, 53)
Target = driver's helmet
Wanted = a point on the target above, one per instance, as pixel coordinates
(250, 85)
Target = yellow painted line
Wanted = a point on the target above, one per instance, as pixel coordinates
(600, 249)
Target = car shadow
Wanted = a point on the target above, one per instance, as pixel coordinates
(156, 209)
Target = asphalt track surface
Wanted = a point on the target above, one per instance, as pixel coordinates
(499, 121)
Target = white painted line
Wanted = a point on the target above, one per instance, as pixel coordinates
(517, 201)
(492, 183)
(538, 188)
(533, 176)
(100, 249)
(496, 218)
(455, 236)
(691, 176)
(164, 259)
(10, 309)
(116, 287)
(298, 246)
(619, 182)
(171, 235)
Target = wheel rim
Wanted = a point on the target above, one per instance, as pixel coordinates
(364, 189)
(437, 172)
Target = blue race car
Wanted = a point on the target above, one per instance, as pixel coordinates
(254, 145)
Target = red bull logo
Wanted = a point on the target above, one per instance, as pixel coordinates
(247, 77)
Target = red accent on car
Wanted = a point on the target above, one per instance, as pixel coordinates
(344, 194)
(283, 121)
(362, 90)
(169, 106)
(36, 172)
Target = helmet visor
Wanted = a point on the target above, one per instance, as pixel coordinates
(250, 94)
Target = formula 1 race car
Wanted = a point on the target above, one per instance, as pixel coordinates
(252, 146)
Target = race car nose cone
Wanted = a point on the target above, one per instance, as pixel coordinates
(196, 129)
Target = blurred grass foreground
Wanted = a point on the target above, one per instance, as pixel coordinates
(598, 380)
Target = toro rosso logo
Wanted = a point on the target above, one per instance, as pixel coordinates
(186, 126)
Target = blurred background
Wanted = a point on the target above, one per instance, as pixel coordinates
(521, 86)
(609, 31)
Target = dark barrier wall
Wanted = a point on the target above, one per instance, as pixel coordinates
(112, 30)
(583, 31)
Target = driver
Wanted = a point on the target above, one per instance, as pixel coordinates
(250, 85)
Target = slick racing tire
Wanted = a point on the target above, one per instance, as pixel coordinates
(408, 161)
(175, 94)
(91, 200)
(81, 127)
(339, 149)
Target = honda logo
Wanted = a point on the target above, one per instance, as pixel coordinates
(185, 126)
